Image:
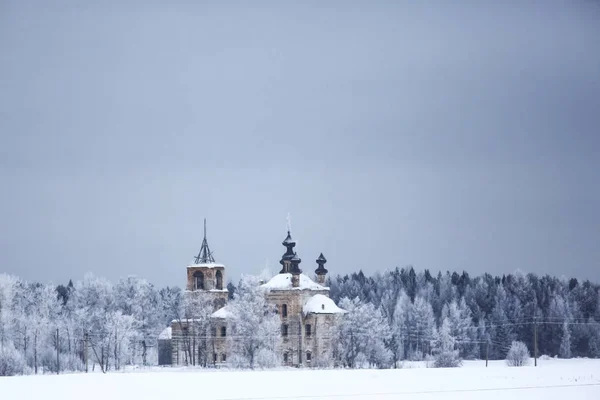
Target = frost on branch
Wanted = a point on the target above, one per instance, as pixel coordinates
(254, 325)
(12, 362)
(518, 355)
(443, 348)
(361, 336)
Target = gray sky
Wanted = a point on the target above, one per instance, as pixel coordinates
(448, 137)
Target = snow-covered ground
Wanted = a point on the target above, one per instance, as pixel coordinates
(551, 380)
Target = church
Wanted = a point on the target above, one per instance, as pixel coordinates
(307, 313)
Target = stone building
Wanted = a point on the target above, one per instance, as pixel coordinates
(306, 311)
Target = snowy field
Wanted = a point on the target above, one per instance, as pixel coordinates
(551, 380)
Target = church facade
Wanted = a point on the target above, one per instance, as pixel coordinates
(306, 312)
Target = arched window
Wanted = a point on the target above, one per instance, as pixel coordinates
(223, 357)
(219, 275)
(284, 330)
(308, 356)
(199, 280)
(308, 330)
(284, 310)
(223, 331)
(285, 357)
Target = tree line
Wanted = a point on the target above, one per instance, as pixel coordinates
(485, 314)
(391, 316)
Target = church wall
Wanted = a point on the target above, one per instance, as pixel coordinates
(183, 339)
(297, 343)
(209, 276)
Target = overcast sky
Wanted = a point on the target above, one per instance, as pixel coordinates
(449, 137)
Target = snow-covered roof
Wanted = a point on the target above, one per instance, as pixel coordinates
(206, 265)
(223, 312)
(210, 290)
(284, 282)
(321, 304)
(166, 334)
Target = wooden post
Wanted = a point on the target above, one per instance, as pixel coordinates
(487, 353)
(535, 345)
(57, 354)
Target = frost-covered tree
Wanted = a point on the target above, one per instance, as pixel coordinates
(43, 309)
(565, 342)
(198, 308)
(254, 326)
(446, 356)
(8, 288)
(420, 328)
(518, 355)
(501, 328)
(361, 335)
(462, 328)
(171, 304)
(399, 324)
(12, 361)
(94, 301)
(594, 339)
(558, 311)
(137, 298)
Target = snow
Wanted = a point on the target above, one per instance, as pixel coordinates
(223, 312)
(206, 265)
(166, 334)
(284, 282)
(551, 380)
(186, 320)
(321, 304)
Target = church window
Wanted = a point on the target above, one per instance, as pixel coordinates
(308, 356)
(223, 331)
(284, 310)
(199, 280)
(285, 357)
(308, 330)
(219, 275)
(223, 357)
(284, 330)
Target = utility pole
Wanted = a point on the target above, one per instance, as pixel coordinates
(487, 352)
(299, 343)
(85, 351)
(535, 346)
(57, 354)
(194, 333)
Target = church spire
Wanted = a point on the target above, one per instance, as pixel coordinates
(321, 271)
(286, 259)
(205, 256)
(289, 243)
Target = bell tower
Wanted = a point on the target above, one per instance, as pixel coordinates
(207, 276)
